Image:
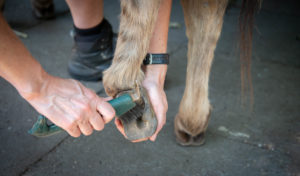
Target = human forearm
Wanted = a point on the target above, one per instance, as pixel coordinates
(155, 74)
(158, 44)
(17, 65)
(159, 39)
(66, 102)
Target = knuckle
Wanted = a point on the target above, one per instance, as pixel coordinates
(87, 133)
(90, 94)
(79, 119)
(99, 128)
(70, 126)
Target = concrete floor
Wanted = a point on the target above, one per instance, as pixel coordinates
(265, 141)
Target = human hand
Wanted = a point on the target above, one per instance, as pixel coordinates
(154, 84)
(71, 106)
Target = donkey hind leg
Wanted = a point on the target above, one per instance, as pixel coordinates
(203, 19)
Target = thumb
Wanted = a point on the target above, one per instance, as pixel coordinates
(106, 110)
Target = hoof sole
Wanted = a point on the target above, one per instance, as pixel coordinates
(140, 122)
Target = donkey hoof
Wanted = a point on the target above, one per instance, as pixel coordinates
(183, 138)
(140, 122)
(186, 138)
(199, 139)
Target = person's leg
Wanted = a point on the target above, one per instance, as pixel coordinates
(93, 40)
(86, 14)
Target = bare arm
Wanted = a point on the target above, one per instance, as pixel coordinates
(67, 103)
(16, 64)
(155, 74)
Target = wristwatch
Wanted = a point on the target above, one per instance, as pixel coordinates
(156, 59)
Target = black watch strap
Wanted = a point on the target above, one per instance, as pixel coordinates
(156, 59)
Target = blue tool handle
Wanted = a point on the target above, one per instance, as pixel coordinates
(41, 128)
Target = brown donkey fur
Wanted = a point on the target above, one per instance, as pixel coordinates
(136, 26)
(204, 19)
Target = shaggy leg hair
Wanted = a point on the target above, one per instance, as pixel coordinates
(203, 19)
(137, 21)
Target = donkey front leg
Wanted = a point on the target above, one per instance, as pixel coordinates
(137, 21)
(203, 19)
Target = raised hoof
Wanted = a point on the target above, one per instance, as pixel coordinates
(140, 122)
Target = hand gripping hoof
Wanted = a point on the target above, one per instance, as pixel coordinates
(140, 122)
